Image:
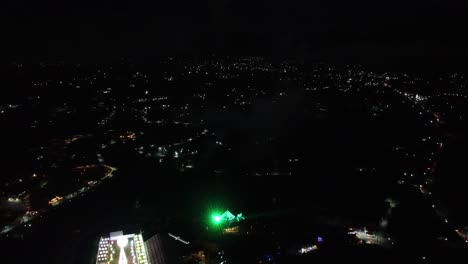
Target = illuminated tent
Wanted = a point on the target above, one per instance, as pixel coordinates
(227, 217)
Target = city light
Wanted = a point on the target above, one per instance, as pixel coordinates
(118, 248)
(261, 158)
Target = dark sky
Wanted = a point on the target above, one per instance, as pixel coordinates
(313, 29)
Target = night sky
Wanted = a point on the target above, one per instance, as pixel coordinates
(375, 30)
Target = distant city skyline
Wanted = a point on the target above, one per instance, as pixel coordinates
(328, 30)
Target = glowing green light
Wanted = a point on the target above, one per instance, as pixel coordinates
(226, 218)
(216, 218)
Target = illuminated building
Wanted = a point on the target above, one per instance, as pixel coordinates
(366, 237)
(56, 200)
(155, 249)
(128, 135)
(307, 249)
(118, 248)
(166, 248)
(231, 230)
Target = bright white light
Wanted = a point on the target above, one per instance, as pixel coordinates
(122, 241)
